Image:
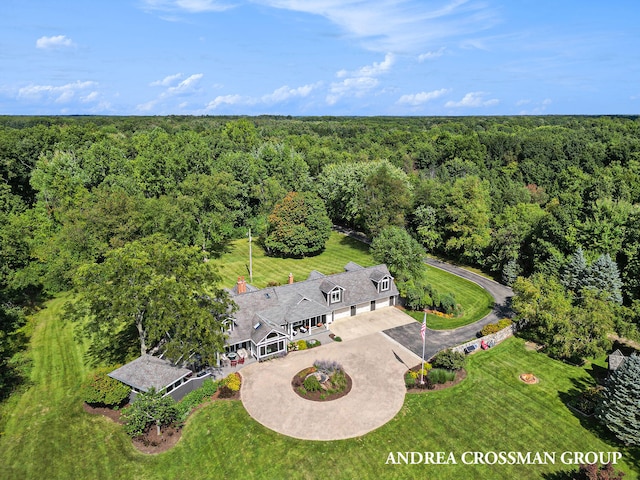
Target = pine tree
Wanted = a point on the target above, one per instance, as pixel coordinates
(619, 407)
(603, 276)
(575, 272)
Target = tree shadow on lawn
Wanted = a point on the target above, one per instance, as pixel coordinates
(631, 456)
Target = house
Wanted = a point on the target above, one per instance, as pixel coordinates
(267, 319)
(148, 372)
(615, 360)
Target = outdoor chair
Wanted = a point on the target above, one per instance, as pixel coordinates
(234, 363)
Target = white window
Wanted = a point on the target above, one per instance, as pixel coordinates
(385, 284)
(336, 296)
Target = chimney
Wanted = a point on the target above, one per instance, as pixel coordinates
(290, 278)
(242, 285)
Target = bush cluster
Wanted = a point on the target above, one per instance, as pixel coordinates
(440, 375)
(100, 389)
(311, 384)
(495, 327)
(449, 360)
(312, 343)
(192, 399)
(328, 366)
(230, 385)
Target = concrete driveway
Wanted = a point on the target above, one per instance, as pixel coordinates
(349, 328)
(374, 362)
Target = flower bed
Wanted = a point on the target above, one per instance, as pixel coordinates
(323, 382)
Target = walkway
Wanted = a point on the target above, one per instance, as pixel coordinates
(376, 365)
(436, 340)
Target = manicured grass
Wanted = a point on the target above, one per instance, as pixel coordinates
(339, 251)
(476, 301)
(48, 435)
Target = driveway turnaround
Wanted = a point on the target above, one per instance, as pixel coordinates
(374, 362)
(436, 340)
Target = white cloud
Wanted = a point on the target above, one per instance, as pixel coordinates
(473, 99)
(431, 55)
(58, 41)
(189, 6)
(188, 86)
(226, 100)
(59, 94)
(397, 26)
(284, 93)
(360, 81)
(422, 97)
(184, 86)
(538, 108)
(166, 81)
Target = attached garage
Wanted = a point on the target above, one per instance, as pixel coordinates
(341, 313)
(363, 307)
(383, 302)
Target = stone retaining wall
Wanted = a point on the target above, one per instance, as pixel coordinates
(492, 339)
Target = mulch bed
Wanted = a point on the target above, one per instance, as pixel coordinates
(298, 380)
(150, 442)
(460, 376)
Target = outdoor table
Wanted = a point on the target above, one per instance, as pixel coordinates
(232, 356)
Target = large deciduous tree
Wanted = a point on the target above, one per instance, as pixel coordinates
(298, 226)
(158, 291)
(619, 408)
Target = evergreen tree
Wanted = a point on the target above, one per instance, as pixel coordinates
(575, 272)
(619, 407)
(603, 276)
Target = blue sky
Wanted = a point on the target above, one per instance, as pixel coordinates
(319, 57)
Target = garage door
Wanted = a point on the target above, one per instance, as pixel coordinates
(362, 308)
(383, 302)
(341, 313)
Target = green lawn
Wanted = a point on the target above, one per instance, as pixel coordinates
(339, 251)
(475, 300)
(48, 435)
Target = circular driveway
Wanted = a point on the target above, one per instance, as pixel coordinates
(376, 365)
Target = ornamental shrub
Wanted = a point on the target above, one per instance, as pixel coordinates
(192, 399)
(301, 344)
(449, 360)
(149, 408)
(328, 366)
(312, 384)
(312, 343)
(504, 323)
(489, 329)
(440, 375)
(100, 389)
(232, 382)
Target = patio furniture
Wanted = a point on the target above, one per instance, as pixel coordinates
(234, 363)
(241, 360)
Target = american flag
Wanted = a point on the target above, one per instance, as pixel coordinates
(423, 328)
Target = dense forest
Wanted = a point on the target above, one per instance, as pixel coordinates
(550, 205)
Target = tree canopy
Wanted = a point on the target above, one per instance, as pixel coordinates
(155, 291)
(298, 226)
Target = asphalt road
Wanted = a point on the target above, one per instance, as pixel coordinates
(436, 340)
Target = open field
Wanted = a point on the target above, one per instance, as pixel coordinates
(48, 434)
(475, 300)
(339, 251)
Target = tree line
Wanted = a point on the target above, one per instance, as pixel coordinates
(515, 196)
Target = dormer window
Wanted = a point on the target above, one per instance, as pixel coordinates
(336, 296)
(385, 284)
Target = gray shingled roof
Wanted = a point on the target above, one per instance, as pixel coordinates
(302, 300)
(148, 371)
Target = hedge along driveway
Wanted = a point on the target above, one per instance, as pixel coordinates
(376, 366)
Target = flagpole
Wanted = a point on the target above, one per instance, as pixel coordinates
(250, 259)
(423, 331)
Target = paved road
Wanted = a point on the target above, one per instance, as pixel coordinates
(436, 340)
